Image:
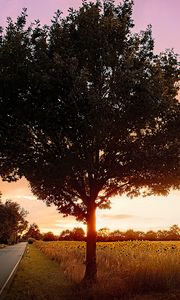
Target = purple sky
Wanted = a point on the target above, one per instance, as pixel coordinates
(162, 14)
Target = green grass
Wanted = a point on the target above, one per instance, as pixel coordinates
(39, 278)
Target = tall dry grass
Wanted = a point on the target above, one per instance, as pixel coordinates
(123, 267)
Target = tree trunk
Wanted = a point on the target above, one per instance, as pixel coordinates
(91, 267)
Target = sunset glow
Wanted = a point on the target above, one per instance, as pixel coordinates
(138, 213)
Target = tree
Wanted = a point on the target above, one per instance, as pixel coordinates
(150, 235)
(162, 235)
(49, 236)
(65, 235)
(130, 235)
(88, 111)
(140, 235)
(33, 232)
(117, 235)
(77, 234)
(174, 233)
(103, 234)
(12, 222)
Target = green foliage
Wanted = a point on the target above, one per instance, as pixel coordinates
(88, 110)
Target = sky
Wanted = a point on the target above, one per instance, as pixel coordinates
(138, 213)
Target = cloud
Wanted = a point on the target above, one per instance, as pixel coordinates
(13, 189)
(68, 222)
(24, 197)
(126, 216)
(117, 217)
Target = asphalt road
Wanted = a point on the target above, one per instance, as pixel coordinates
(9, 258)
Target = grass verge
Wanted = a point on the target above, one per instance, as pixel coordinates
(39, 278)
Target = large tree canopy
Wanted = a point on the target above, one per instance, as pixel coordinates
(88, 111)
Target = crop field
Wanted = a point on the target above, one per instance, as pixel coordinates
(124, 268)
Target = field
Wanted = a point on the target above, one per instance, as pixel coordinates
(125, 269)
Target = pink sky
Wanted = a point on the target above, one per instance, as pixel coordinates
(139, 213)
(162, 14)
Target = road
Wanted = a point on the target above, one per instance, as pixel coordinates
(9, 258)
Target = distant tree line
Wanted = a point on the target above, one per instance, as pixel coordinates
(173, 234)
(105, 235)
(33, 232)
(12, 222)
